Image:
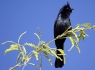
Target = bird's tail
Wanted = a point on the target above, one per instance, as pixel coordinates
(58, 62)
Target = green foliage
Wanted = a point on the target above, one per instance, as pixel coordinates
(23, 58)
(75, 38)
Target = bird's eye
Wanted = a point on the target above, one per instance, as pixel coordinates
(67, 8)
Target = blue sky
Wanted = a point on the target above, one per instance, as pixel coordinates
(17, 16)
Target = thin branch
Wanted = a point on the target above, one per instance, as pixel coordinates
(17, 65)
(41, 62)
(58, 37)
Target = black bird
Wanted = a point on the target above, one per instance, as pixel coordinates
(61, 24)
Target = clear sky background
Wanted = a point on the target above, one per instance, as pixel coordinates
(17, 16)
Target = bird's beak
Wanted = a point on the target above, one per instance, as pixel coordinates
(72, 9)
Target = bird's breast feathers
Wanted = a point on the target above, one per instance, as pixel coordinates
(63, 21)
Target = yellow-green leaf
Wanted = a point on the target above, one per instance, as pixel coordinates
(36, 54)
(31, 45)
(12, 47)
(61, 51)
(24, 50)
(46, 55)
(73, 42)
(19, 56)
(76, 36)
(77, 47)
(54, 53)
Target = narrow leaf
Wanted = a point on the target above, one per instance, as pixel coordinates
(19, 57)
(36, 54)
(46, 55)
(73, 42)
(12, 47)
